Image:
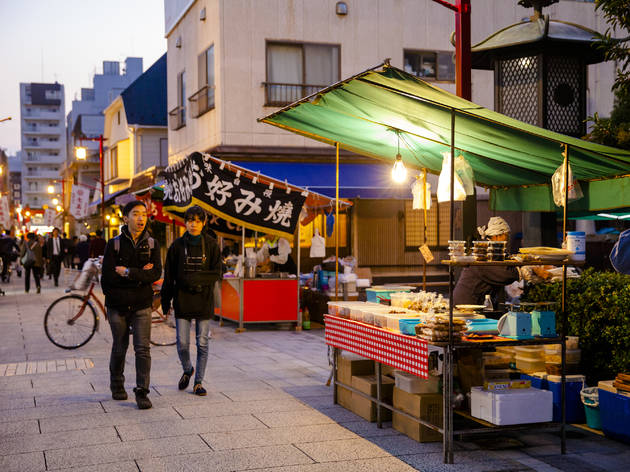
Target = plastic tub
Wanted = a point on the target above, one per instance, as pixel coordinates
(408, 326)
(573, 342)
(531, 353)
(393, 320)
(614, 410)
(401, 299)
(556, 369)
(496, 360)
(555, 357)
(375, 293)
(413, 384)
(590, 399)
(529, 365)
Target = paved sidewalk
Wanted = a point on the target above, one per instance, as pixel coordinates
(267, 409)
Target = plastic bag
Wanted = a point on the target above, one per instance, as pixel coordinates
(465, 173)
(558, 186)
(444, 182)
(417, 189)
(318, 245)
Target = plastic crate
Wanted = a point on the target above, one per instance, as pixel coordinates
(614, 410)
(374, 294)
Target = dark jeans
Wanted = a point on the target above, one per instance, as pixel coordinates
(37, 273)
(140, 324)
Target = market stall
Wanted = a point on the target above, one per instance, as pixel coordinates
(390, 115)
(245, 201)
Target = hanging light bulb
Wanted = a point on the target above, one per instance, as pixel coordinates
(399, 172)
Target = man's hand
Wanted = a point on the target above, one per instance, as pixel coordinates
(121, 270)
(149, 266)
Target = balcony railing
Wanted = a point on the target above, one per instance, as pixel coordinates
(202, 101)
(177, 117)
(279, 95)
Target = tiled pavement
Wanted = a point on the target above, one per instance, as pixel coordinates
(267, 409)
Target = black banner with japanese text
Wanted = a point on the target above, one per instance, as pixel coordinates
(200, 180)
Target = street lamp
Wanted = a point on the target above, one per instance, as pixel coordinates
(80, 153)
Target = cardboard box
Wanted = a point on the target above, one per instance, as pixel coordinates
(348, 367)
(366, 408)
(344, 397)
(426, 406)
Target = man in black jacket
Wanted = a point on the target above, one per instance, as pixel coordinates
(193, 265)
(55, 254)
(130, 266)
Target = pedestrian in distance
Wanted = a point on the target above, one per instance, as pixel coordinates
(130, 266)
(82, 251)
(193, 265)
(32, 261)
(97, 244)
(55, 254)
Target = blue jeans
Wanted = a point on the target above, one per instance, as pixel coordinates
(120, 323)
(202, 328)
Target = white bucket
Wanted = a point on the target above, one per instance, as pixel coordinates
(576, 242)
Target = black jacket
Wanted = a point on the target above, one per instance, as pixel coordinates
(191, 291)
(477, 281)
(50, 248)
(134, 292)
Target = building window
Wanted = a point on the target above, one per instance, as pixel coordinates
(203, 99)
(177, 116)
(295, 70)
(163, 152)
(432, 65)
(113, 162)
(438, 225)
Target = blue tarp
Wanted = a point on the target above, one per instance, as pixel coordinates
(355, 180)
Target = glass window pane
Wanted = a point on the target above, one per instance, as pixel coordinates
(210, 66)
(446, 66)
(322, 64)
(284, 64)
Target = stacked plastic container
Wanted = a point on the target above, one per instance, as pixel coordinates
(530, 358)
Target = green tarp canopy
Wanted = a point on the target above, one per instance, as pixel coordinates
(385, 109)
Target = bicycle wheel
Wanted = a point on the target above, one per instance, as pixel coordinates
(60, 327)
(163, 331)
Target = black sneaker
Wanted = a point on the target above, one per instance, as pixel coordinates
(199, 390)
(185, 379)
(141, 398)
(119, 394)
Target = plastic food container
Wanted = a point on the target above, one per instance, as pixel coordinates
(514, 406)
(374, 294)
(555, 357)
(401, 299)
(413, 384)
(529, 364)
(530, 352)
(393, 320)
(408, 325)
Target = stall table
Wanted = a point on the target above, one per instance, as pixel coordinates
(260, 300)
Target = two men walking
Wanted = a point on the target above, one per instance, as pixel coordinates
(130, 266)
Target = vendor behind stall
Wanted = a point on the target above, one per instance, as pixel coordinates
(477, 281)
(277, 252)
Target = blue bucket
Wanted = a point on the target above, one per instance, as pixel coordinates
(590, 399)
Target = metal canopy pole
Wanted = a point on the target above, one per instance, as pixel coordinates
(337, 224)
(299, 259)
(447, 438)
(563, 403)
(424, 205)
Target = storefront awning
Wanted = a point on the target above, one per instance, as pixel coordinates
(384, 109)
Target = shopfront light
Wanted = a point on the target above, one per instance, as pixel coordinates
(55, 201)
(58, 208)
(399, 172)
(51, 189)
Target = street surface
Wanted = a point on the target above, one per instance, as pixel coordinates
(267, 409)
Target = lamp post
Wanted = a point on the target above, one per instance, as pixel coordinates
(81, 155)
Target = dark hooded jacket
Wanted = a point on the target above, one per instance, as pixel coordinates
(477, 281)
(189, 277)
(134, 292)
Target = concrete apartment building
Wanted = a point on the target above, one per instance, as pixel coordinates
(15, 181)
(42, 110)
(230, 63)
(86, 118)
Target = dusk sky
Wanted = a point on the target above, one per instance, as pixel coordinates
(67, 41)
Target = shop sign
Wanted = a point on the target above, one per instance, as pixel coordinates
(5, 213)
(200, 180)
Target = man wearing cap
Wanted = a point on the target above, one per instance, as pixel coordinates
(477, 281)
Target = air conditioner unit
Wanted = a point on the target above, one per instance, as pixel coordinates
(202, 14)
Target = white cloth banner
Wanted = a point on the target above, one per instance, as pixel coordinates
(49, 217)
(5, 214)
(79, 201)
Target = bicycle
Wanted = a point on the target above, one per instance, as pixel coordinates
(71, 321)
